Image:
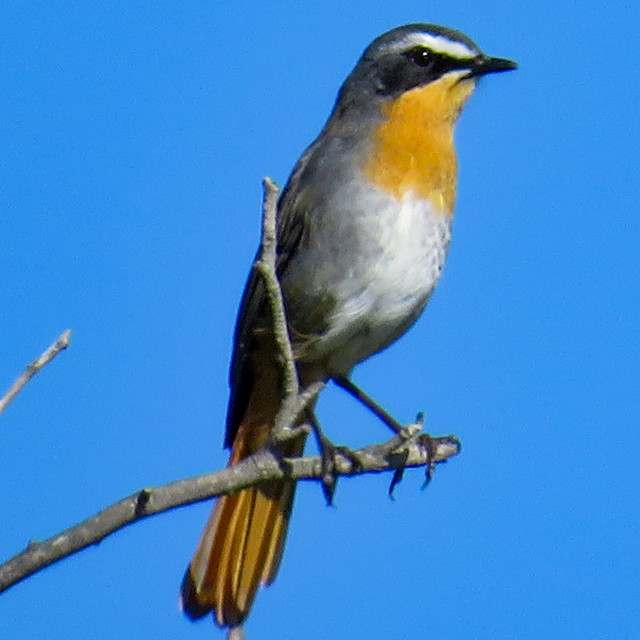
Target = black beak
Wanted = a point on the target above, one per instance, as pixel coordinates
(484, 64)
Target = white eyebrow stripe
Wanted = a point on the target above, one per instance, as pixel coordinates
(438, 44)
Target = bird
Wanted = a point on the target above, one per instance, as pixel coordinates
(363, 228)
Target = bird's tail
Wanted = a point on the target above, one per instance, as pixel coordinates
(243, 540)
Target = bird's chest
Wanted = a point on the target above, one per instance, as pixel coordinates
(366, 279)
(398, 260)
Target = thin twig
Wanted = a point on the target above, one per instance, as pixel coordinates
(292, 406)
(262, 466)
(59, 345)
(293, 402)
(267, 268)
(235, 633)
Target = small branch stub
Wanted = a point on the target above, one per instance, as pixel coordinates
(59, 345)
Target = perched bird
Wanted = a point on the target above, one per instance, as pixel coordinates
(363, 226)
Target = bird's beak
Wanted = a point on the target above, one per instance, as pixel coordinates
(485, 64)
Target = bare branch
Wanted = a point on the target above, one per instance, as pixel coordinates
(59, 345)
(392, 455)
(408, 448)
(293, 402)
(267, 268)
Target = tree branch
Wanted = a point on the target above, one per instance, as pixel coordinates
(266, 266)
(59, 345)
(408, 448)
(293, 402)
(264, 465)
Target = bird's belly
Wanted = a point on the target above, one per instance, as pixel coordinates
(376, 276)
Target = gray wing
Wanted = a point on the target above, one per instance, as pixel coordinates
(254, 313)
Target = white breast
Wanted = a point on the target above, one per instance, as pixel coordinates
(385, 263)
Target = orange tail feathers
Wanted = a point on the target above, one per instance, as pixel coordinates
(243, 540)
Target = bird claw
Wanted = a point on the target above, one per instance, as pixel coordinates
(329, 453)
(429, 444)
(425, 441)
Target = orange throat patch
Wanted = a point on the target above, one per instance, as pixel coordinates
(413, 149)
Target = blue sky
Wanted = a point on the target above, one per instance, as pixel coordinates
(134, 139)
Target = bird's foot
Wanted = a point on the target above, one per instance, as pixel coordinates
(329, 454)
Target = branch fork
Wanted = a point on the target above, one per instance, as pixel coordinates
(407, 448)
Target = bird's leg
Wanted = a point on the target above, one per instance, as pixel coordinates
(392, 423)
(328, 452)
(370, 403)
(327, 456)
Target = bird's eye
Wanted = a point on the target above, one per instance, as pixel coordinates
(421, 56)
